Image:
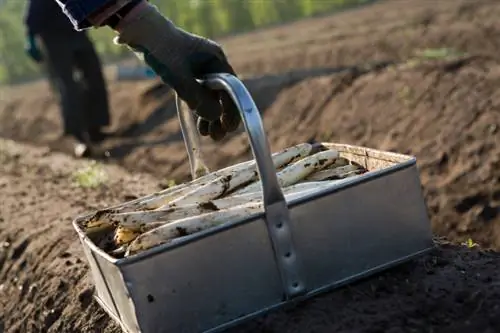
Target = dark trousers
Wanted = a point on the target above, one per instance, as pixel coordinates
(75, 74)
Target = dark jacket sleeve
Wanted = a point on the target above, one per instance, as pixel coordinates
(45, 15)
(78, 11)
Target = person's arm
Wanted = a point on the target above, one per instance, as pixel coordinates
(85, 14)
(177, 56)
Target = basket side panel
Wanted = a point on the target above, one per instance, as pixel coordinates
(120, 299)
(206, 283)
(360, 228)
(101, 289)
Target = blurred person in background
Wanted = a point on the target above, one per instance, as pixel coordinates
(74, 72)
(177, 56)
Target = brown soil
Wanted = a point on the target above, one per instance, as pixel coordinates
(350, 78)
(45, 286)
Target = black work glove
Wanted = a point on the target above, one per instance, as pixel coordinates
(179, 58)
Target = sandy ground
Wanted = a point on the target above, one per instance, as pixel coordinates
(357, 78)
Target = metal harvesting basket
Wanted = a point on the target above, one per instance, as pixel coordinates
(218, 278)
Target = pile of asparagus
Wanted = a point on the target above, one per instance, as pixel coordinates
(220, 197)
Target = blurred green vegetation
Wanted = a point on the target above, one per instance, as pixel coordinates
(210, 18)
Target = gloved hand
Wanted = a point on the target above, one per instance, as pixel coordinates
(32, 49)
(179, 57)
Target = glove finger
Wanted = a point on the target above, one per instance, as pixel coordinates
(231, 117)
(203, 126)
(217, 63)
(209, 106)
(216, 130)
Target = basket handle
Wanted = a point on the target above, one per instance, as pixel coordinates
(277, 216)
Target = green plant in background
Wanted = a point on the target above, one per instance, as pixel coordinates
(211, 18)
(432, 54)
(90, 176)
(470, 243)
(439, 53)
(3, 151)
(170, 183)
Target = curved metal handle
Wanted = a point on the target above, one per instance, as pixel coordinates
(276, 209)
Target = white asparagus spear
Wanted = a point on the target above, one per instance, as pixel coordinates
(202, 180)
(279, 158)
(297, 171)
(211, 183)
(339, 172)
(341, 161)
(98, 221)
(130, 229)
(199, 195)
(131, 224)
(235, 178)
(217, 188)
(138, 220)
(127, 232)
(288, 176)
(166, 232)
(289, 190)
(190, 225)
